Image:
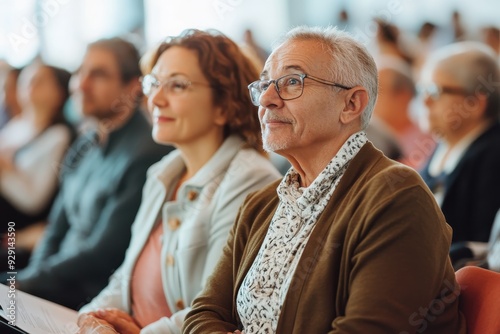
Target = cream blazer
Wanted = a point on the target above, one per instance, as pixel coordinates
(195, 226)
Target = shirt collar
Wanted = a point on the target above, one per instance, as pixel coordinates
(453, 155)
(174, 165)
(104, 137)
(289, 189)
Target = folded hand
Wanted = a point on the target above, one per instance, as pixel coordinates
(121, 321)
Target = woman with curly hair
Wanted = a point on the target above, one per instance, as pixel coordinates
(196, 86)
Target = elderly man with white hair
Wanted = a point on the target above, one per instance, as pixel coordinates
(461, 85)
(349, 241)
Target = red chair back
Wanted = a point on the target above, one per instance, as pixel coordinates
(480, 299)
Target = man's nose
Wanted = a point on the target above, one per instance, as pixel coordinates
(270, 98)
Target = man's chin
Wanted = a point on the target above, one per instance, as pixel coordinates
(273, 143)
(88, 109)
(86, 112)
(91, 111)
(273, 147)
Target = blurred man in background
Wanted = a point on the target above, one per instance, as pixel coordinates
(102, 176)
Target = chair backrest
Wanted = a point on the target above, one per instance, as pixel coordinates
(480, 299)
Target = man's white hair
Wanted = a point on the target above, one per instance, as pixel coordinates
(351, 65)
(474, 66)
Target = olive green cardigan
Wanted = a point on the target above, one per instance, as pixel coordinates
(376, 262)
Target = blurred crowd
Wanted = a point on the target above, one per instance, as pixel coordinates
(75, 150)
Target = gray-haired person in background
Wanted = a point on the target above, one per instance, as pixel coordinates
(461, 92)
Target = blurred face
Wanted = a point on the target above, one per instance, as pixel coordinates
(181, 102)
(39, 88)
(10, 90)
(452, 109)
(392, 104)
(310, 120)
(100, 87)
(384, 106)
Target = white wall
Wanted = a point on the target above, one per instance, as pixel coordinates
(60, 29)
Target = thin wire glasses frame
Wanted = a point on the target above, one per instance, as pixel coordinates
(174, 85)
(289, 87)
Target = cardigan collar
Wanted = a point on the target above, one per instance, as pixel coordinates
(304, 199)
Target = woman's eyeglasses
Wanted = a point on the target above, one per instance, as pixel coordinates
(171, 86)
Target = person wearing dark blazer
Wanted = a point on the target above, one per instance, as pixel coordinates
(463, 101)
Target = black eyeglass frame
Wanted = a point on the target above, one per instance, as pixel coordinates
(302, 76)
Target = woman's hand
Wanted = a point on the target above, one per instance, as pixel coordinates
(91, 325)
(121, 321)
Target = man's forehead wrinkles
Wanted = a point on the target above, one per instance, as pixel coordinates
(304, 64)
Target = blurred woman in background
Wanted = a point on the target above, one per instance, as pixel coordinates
(9, 104)
(32, 144)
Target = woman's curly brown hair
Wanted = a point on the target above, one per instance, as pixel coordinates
(228, 71)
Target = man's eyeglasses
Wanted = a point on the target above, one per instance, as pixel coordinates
(435, 91)
(288, 87)
(169, 87)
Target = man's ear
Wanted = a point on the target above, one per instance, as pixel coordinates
(356, 101)
(477, 106)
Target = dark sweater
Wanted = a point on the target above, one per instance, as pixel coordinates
(89, 225)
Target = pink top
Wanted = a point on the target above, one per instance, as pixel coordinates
(146, 289)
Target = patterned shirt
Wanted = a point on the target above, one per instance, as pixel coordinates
(264, 289)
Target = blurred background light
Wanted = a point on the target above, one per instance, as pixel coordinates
(59, 30)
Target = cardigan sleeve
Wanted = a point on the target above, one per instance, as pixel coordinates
(387, 293)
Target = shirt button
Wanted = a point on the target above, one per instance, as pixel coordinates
(170, 260)
(192, 195)
(174, 224)
(180, 304)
